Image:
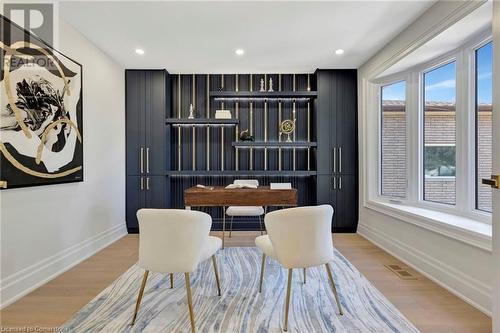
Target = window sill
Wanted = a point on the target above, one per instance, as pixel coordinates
(466, 230)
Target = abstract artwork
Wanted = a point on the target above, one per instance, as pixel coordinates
(41, 128)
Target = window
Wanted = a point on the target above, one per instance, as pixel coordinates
(439, 134)
(484, 125)
(393, 140)
(435, 133)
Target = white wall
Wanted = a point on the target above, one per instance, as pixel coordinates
(463, 269)
(45, 230)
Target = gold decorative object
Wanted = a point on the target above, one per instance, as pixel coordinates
(287, 127)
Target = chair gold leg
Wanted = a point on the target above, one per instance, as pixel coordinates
(305, 276)
(139, 298)
(171, 281)
(334, 289)
(214, 261)
(223, 226)
(231, 227)
(287, 301)
(190, 302)
(260, 222)
(262, 267)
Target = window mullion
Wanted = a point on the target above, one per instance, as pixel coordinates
(463, 192)
(413, 138)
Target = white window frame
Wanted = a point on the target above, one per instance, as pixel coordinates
(464, 57)
(386, 82)
(471, 49)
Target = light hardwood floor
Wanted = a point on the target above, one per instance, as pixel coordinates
(430, 307)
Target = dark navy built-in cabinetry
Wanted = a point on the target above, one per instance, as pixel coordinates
(147, 103)
(167, 152)
(337, 153)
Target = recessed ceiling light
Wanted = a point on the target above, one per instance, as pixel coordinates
(239, 52)
(139, 51)
(339, 52)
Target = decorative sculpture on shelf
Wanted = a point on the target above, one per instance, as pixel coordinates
(245, 136)
(287, 127)
(191, 112)
(262, 88)
(271, 84)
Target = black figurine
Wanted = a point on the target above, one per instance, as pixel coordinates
(244, 136)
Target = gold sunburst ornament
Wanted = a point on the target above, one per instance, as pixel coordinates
(287, 127)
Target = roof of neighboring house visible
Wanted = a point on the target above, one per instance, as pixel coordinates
(399, 106)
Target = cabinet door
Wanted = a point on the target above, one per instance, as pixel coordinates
(326, 194)
(156, 108)
(135, 200)
(156, 191)
(323, 112)
(135, 122)
(324, 190)
(346, 122)
(347, 202)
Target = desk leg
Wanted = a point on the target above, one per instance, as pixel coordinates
(223, 225)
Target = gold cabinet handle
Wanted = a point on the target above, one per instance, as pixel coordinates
(142, 183)
(147, 160)
(147, 183)
(494, 181)
(334, 183)
(340, 182)
(142, 160)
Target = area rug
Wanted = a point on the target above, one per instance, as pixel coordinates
(241, 308)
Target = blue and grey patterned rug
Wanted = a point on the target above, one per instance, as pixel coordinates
(241, 308)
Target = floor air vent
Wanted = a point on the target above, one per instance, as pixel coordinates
(401, 272)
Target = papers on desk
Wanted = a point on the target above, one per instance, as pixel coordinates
(241, 186)
(281, 186)
(205, 187)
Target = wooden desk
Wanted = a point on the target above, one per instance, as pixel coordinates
(222, 197)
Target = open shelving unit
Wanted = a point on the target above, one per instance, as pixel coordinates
(242, 173)
(221, 95)
(274, 144)
(201, 121)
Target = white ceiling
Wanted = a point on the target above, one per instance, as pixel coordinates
(476, 23)
(200, 37)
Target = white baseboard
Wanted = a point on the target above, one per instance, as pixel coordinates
(25, 281)
(456, 282)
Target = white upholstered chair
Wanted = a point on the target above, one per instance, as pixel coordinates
(175, 241)
(299, 238)
(238, 211)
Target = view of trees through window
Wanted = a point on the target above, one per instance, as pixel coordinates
(484, 125)
(440, 134)
(393, 139)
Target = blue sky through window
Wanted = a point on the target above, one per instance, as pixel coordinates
(440, 83)
(394, 92)
(484, 68)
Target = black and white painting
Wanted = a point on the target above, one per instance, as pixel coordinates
(41, 129)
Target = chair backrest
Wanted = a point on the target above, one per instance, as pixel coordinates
(171, 240)
(246, 182)
(302, 236)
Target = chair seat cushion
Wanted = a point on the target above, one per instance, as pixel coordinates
(245, 211)
(212, 245)
(264, 243)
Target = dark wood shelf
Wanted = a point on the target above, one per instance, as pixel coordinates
(263, 94)
(201, 121)
(230, 173)
(273, 144)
